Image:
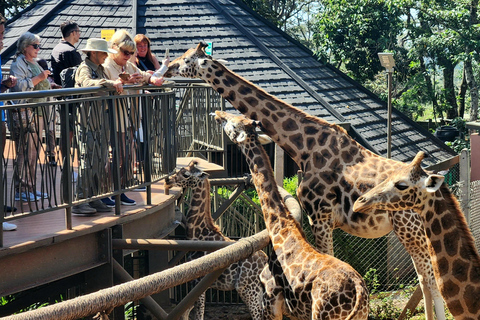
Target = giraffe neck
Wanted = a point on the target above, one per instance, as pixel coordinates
(199, 218)
(292, 129)
(455, 259)
(280, 224)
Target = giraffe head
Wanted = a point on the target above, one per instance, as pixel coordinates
(187, 177)
(239, 128)
(190, 63)
(405, 189)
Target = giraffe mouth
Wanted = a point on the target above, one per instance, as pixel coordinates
(362, 205)
(173, 70)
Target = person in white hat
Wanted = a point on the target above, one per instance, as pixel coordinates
(92, 128)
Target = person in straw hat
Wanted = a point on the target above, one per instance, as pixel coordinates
(92, 128)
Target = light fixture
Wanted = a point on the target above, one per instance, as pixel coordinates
(387, 61)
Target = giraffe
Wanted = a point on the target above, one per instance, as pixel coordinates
(336, 169)
(315, 285)
(455, 259)
(243, 276)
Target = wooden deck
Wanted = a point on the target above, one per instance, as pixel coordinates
(53, 252)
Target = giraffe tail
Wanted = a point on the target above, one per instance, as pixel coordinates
(361, 308)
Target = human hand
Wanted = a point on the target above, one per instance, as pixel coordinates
(135, 78)
(156, 81)
(118, 85)
(13, 80)
(166, 61)
(45, 74)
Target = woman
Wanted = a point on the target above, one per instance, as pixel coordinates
(145, 60)
(126, 116)
(28, 122)
(93, 129)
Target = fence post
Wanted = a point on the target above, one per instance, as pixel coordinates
(465, 183)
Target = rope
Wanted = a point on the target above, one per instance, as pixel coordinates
(107, 299)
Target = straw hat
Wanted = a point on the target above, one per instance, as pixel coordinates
(96, 44)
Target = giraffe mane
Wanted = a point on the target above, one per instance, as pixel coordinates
(295, 110)
(454, 206)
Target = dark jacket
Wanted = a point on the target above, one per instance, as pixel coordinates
(64, 55)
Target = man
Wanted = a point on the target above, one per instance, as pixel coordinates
(92, 128)
(4, 86)
(65, 55)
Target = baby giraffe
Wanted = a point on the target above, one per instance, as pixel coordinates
(315, 285)
(243, 276)
(455, 259)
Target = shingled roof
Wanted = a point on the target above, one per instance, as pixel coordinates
(254, 48)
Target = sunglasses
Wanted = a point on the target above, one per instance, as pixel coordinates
(128, 53)
(36, 46)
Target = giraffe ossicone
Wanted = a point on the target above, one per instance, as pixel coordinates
(243, 276)
(313, 285)
(455, 259)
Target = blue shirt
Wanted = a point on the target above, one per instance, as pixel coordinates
(1, 102)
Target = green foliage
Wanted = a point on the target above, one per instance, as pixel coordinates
(371, 279)
(10, 8)
(386, 310)
(291, 185)
(353, 32)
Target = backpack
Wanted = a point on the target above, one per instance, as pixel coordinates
(67, 76)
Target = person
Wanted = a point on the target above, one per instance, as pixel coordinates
(93, 124)
(30, 76)
(115, 65)
(4, 86)
(64, 54)
(144, 59)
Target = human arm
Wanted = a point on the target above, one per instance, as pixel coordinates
(83, 78)
(25, 79)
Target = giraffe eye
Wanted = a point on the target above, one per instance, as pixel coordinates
(401, 186)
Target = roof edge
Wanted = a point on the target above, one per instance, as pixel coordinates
(9, 49)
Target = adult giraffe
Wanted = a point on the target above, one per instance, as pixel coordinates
(455, 259)
(337, 170)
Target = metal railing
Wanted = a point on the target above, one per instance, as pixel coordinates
(112, 143)
(197, 133)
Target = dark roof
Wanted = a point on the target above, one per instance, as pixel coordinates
(254, 49)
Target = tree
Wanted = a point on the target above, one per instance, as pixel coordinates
(9, 8)
(351, 33)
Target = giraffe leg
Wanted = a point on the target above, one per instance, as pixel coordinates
(273, 300)
(408, 228)
(252, 295)
(199, 308)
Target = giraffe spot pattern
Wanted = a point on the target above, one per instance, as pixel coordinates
(460, 270)
(452, 242)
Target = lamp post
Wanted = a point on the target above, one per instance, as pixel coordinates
(387, 61)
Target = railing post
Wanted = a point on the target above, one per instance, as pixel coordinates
(115, 147)
(147, 145)
(67, 181)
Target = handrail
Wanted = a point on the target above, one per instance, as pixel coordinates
(143, 147)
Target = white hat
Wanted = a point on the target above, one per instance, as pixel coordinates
(96, 44)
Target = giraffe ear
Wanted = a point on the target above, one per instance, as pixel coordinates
(202, 63)
(224, 62)
(264, 139)
(242, 136)
(433, 182)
